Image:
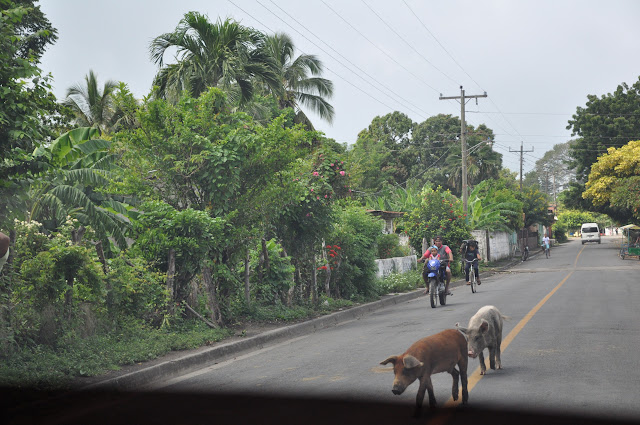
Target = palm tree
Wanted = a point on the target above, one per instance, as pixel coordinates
(92, 107)
(225, 55)
(299, 87)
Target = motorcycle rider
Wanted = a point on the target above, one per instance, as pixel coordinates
(446, 255)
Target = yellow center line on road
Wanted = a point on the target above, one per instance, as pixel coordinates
(475, 377)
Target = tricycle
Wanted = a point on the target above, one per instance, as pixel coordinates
(630, 241)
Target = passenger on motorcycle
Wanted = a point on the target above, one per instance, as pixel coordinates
(446, 256)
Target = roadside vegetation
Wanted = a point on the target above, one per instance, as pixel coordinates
(139, 227)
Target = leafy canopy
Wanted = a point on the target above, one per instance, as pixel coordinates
(615, 179)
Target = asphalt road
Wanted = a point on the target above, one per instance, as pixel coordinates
(570, 346)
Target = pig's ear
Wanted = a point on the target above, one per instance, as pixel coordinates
(391, 359)
(461, 328)
(484, 326)
(411, 362)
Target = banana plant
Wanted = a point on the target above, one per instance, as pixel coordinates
(486, 215)
(79, 163)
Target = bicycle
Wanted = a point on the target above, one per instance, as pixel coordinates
(472, 277)
(547, 250)
(525, 253)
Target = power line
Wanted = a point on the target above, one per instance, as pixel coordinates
(377, 47)
(424, 113)
(553, 113)
(460, 66)
(328, 69)
(408, 44)
(440, 44)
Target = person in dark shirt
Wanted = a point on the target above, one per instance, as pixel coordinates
(470, 255)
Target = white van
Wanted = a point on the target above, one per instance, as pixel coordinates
(590, 233)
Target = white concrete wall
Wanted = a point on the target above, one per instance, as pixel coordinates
(499, 244)
(387, 266)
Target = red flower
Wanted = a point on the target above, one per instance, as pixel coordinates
(337, 247)
(332, 255)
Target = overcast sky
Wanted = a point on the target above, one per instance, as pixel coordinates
(537, 60)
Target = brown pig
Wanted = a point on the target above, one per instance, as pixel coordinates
(434, 354)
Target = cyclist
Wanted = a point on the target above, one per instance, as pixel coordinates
(546, 244)
(446, 255)
(470, 255)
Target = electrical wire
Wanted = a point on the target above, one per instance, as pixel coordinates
(326, 67)
(422, 114)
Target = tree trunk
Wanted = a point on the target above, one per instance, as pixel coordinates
(68, 297)
(328, 278)
(265, 253)
(488, 258)
(260, 268)
(199, 316)
(100, 253)
(336, 286)
(171, 272)
(12, 242)
(247, 272)
(216, 315)
(76, 235)
(293, 285)
(314, 282)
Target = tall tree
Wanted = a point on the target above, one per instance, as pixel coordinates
(26, 102)
(381, 154)
(552, 172)
(614, 182)
(611, 120)
(92, 106)
(226, 55)
(299, 88)
(436, 146)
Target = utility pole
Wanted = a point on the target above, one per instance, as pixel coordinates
(521, 152)
(463, 139)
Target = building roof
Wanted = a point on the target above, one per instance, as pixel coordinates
(386, 214)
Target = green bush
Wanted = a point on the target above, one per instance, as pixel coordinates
(276, 280)
(440, 214)
(47, 368)
(351, 250)
(560, 232)
(399, 282)
(136, 290)
(388, 246)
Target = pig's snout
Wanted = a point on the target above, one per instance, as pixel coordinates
(472, 354)
(397, 389)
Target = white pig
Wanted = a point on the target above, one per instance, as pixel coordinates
(485, 331)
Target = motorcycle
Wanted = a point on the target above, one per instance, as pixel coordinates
(436, 278)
